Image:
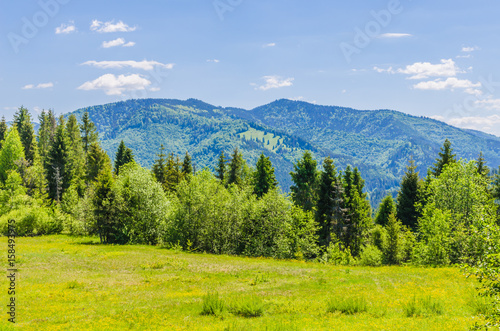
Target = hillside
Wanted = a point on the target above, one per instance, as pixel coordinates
(379, 142)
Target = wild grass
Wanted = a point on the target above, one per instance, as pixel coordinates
(68, 283)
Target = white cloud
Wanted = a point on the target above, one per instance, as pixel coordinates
(467, 56)
(469, 49)
(110, 26)
(39, 86)
(450, 83)
(438, 118)
(273, 82)
(269, 45)
(116, 85)
(395, 35)
(489, 104)
(66, 28)
(380, 70)
(144, 65)
(490, 124)
(154, 89)
(423, 70)
(213, 61)
(117, 42)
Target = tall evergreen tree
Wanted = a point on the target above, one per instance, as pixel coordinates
(264, 178)
(76, 156)
(97, 161)
(481, 165)
(220, 169)
(57, 175)
(386, 208)
(328, 205)
(446, 156)
(124, 155)
(160, 168)
(88, 132)
(12, 151)
(187, 165)
(46, 134)
(3, 130)
(394, 250)
(408, 196)
(173, 172)
(22, 120)
(236, 165)
(305, 178)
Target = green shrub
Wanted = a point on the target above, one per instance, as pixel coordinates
(249, 307)
(212, 305)
(370, 256)
(348, 305)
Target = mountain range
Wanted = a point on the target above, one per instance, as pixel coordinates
(378, 142)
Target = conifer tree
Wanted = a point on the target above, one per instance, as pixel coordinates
(187, 165)
(124, 155)
(160, 168)
(235, 173)
(481, 165)
(3, 130)
(305, 178)
(408, 196)
(220, 169)
(57, 175)
(108, 226)
(446, 156)
(76, 156)
(88, 132)
(22, 120)
(387, 207)
(11, 152)
(394, 250)
(46, 133)
(330, 202)
(264, 178)
(97, 161)
(173, 172)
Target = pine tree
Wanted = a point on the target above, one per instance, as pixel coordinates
(173, 173)
(264, 178)
(76, 156)
(57, 175)
(394, 249)
(11, 152)
(445, 157)
(124, 155)
(235, 173)
(220, 170)
(3, 130)
(330, 202)
(187, 166)
(97, 161)
(22, 120)
(88, 132)
(305, 178)
(107, 225)
(481, 165)
(46, 134)
(160, 168)
(387, 207)
(408, 196)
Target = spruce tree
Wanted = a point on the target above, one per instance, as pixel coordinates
(11, 152)
(97, 160)
(220, 169)
(57, 175)
(264, 178)
(187, 165)
(305, 178)
(76, 155)
(235, 173)
(160, 168)
(88, 132)
(408, 196)
(394, 250)
(386, 208)
(46, 134)
(173, 173)
(124, 155)
(3, 130)
(22, 120)
(328, 206)
(446, 156)
(481, 165)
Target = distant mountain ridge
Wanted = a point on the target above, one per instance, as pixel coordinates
(379, 142)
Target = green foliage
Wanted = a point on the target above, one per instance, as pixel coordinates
(187, 166)
(378, 235)
(446, 157)
(394, 249)
(3, 130)
(12, 151)
(124, 155)
(213, 305)
(434, 228)
(236, 169)
(371, 256)
(97, 162)
(337, 254)
(22, 121)
(408, 197)
(423, 307)
(220, 169)
(251, 306)
(264, 178)
(305, 179)
(348, 305)
(57, 163)
(88, 132)
(386, 208)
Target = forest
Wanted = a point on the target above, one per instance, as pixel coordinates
(60, 180)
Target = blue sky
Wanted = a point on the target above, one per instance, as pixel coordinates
(427, 58)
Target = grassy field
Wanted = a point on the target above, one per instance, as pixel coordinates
(67, 283)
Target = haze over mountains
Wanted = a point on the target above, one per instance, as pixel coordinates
(378, 142)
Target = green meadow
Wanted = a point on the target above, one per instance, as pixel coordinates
(75, 283)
